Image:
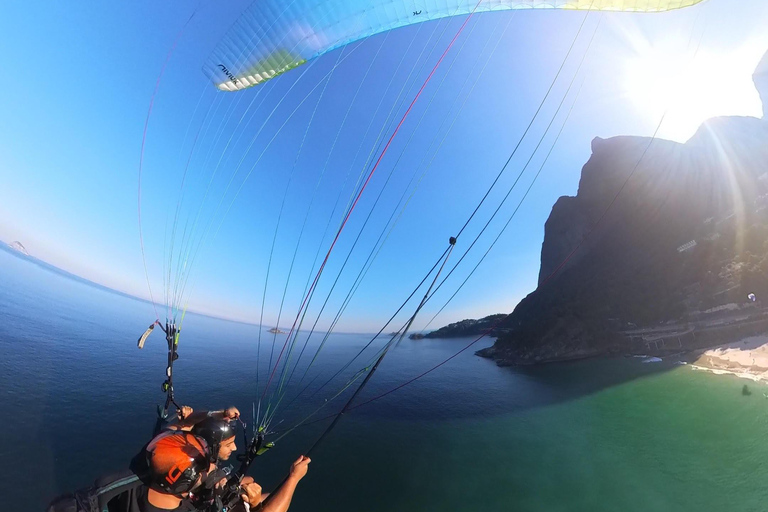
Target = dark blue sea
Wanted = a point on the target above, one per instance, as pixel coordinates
(78, 399)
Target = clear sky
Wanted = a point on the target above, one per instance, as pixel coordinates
(78, 81)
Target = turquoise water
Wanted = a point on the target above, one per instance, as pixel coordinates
(679, 440)
(78, 400)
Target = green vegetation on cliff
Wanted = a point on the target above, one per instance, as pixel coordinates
(467, 327)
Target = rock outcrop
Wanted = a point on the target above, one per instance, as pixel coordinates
(469, 327)
(761, 83)
(657, 231)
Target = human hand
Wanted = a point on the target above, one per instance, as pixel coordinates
(231, 413)
(184, 412)
(300, 467)
(252, 490)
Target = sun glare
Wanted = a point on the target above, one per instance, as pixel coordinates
(691, 90)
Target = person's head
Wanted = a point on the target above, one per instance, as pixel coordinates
(177, 461)
(220, 436)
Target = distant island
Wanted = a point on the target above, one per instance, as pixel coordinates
(17, 246)
(655, 257)
(275, 330)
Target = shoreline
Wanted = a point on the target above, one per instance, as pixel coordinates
(746, 358)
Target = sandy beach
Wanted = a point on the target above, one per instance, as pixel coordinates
(746, 358)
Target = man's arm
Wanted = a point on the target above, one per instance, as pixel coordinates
(190, 418)
(280, 500)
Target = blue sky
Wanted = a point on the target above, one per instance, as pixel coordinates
(81, 75)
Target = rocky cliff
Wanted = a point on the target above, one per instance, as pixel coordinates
(761, 83)
(468, 327)
(657, 232)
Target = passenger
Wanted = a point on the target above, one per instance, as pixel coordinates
(174, 465)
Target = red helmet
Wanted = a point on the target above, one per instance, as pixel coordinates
(176, 460)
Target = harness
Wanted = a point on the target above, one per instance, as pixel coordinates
(97, 497)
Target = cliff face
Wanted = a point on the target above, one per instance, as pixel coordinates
(761, 83)
(649, 242)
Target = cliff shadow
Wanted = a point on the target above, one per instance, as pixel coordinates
(494, 390)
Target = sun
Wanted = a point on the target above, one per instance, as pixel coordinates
(689, 87)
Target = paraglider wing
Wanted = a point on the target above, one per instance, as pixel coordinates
(275, 36)
(752, 297)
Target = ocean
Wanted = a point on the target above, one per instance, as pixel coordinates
(79, 399)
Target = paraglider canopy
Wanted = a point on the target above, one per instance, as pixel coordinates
(275, 36)
(752, 297)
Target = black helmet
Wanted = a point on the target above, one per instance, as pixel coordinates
(214, 431)
(176, 460)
